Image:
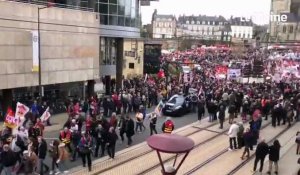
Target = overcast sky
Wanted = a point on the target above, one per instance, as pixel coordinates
(259, 10)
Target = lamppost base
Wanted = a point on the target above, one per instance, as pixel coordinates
(169, 170)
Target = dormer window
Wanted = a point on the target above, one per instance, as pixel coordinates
(198, 22)
(213, 23)
(220, 23)
(203, 22)
(193, 22)
(208, 23)
(187, 22)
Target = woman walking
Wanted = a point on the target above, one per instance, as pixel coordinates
(274, 152)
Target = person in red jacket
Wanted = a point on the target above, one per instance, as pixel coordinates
(88, 124)
(168, 126)
(65, 137)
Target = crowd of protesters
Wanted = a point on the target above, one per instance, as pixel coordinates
(94, 125)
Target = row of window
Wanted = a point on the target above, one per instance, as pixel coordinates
(289, 29)
(205, 22)
(119, 20)
(242, 35)
(164, 24)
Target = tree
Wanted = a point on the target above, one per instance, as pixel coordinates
(185, 44)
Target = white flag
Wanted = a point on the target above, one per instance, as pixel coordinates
(21, 111)
(46, 115)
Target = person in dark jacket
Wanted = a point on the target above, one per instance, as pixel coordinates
(222, 115)
(42, 152)
(129, 129)
(8, 159)
(274, 153)
(247, 136)
(261, 152)
(201, 109)
(101, 139)
(121, 127)
(111, 142)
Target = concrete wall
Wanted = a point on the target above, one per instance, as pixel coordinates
(138, 60)
(68, 53)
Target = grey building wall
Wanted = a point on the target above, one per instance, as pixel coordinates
(68, 53)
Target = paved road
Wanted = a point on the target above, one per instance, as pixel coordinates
(138, 138)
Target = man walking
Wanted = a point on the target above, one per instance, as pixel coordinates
(261, 152)
(232, 133)
(42, 152)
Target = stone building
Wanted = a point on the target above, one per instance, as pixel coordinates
(285, 31)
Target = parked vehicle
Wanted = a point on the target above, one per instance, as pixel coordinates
(177, 105)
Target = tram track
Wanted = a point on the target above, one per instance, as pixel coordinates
(196, 146)
(198, 129)
(238, 167)
(220, 153)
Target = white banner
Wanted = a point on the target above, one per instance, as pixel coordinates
(46, 115)
(233, 73)
(21, 111)
(35, 51)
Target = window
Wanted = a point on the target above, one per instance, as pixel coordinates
(239, 35)
(213, 23)
(284, 29)
(208, 23)
(203, 22)
(220, 23)
(103, 8)
(198, 22)
(187, 22)
(291, 29)
(121, 20)
(131, 65)
(193, 22)
(104, 19)
(234, 35)
(113, 9)
(244, 35)
(248, 35)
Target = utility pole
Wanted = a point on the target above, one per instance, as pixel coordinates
(41, 91)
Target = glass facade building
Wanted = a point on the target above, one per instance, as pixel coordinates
(112, 12)
(119, 12)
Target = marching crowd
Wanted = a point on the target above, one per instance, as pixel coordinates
(94, 125)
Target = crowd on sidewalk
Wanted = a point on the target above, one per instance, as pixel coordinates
(95, 124)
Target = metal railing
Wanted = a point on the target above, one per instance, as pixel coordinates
(47, 3)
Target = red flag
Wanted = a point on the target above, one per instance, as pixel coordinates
(10, 120)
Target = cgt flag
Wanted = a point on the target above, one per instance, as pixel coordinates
(46, 115)
(10, 120)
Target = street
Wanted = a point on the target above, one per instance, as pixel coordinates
(59, 120)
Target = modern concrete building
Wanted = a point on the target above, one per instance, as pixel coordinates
(163, 26)
(80, 42)
(285, 31)
(241, 29)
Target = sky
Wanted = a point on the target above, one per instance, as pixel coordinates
(258, 10)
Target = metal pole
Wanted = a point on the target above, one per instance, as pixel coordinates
(39, 54)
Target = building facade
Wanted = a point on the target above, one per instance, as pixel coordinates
(81, 41)
(242, 30)
(163, 26)
(201, 27)
(285, 31)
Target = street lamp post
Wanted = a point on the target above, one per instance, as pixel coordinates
(41, 93)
